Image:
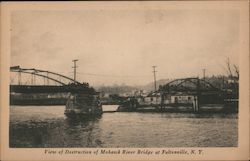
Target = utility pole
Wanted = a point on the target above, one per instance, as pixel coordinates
(32, 82)
(75, 69)
(19, 78)
(204, 74)
(47, 78)
(34, 79)
(198, 93)
(154, 76)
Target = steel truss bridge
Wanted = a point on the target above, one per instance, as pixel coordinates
(66, 84)
(205, 92)
(191, 85)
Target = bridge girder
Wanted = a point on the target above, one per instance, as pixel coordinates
(34, 71)
(177, 83)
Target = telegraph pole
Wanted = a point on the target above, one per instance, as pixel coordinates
(75, 69)
(32, 79)
(19, 78)
(204, 74)
(47, 78)
(154, 76)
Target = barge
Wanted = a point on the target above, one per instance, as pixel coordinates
(81, 105)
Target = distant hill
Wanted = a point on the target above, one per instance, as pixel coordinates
(217, 81)
(120, 89)
(150, 86)
(116, 89)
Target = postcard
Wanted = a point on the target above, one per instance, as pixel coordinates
(125, 80)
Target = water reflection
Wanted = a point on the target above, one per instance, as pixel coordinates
(82, 121)
(41, 127)
(55, 133)
(83, 132)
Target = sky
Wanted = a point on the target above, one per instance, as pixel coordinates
(120, 47)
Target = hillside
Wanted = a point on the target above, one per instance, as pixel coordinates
(217, 81)
(119, 89)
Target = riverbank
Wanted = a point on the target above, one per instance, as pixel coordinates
(208, 108)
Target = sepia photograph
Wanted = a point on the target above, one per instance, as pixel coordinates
(148, 76)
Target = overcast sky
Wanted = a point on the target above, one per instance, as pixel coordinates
(120, 47)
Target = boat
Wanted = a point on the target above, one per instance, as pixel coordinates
(80, 105)
(129, 105)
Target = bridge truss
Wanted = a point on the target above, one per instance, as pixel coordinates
(189, 85)
(47, 75)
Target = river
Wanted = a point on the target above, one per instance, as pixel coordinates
(47, 126)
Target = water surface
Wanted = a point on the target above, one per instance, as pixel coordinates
(47, 126)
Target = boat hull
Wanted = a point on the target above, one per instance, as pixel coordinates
(76, 114)
(83, 106)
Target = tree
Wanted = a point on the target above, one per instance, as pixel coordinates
(236, 68)
(232, 73)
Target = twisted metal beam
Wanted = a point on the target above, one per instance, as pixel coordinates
(44, 77)
(183, 80)
(35, 71)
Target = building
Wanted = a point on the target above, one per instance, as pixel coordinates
(182, 98)
(153, 98)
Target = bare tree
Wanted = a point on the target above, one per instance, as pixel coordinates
(232, 73)
(229, 68)
(236, 68)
